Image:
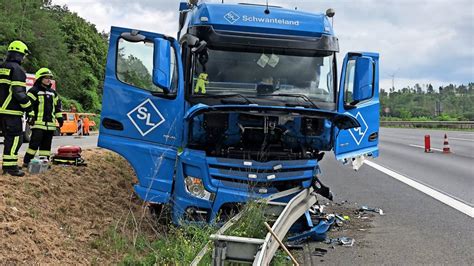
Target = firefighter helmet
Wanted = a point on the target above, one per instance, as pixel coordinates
(18, 46)
(43, 72)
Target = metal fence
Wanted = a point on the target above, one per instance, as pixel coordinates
(430, 124)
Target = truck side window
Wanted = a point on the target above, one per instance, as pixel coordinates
(349, 81)
(135, 64)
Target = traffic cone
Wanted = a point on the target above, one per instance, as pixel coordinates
(446, 148)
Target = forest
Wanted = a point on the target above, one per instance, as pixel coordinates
(62, 41)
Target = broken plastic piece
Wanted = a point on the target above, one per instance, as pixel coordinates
(320, 252)
(377, 210)
(343, 241)
(321, 189)
(358, 162)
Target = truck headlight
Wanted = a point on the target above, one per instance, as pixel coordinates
(195, 187)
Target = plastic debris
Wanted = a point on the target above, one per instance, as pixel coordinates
(343, 241)
(320, 252)
(376, 210)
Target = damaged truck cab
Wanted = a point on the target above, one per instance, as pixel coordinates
(243, 104)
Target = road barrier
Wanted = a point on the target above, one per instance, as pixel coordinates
(427, 143)
(429, 124)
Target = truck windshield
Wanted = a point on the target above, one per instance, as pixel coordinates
(264, 74)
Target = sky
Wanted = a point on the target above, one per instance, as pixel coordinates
(419, 41)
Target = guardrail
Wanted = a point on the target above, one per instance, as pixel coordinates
(430, 124)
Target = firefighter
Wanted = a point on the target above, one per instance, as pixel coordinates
(13, 103)
(46, 111)
(86, 125)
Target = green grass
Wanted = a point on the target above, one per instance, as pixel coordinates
(180, 245)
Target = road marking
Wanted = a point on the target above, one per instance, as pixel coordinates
(458, 205)
(419, 146)
(462, 139)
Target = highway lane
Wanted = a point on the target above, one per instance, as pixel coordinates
(452, 174)
(416, 229)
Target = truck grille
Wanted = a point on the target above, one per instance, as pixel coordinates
(244, 175)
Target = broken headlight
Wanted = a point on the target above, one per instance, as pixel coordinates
(195, 187)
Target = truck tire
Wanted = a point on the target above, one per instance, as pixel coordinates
(27, 134)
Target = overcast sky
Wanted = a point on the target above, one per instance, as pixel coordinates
(419, 41)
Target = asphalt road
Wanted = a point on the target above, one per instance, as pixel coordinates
(402, 150)
(417, 228)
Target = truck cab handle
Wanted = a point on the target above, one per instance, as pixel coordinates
(374, 136)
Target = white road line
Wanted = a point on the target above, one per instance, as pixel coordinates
(419, 146)
(458, 205)
(462, 139)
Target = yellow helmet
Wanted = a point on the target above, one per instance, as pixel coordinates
(42, 72)
(18, 46)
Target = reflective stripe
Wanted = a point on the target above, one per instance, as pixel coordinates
(41, 123)
(32, 96)
(25, 105)
(9, 163)
(58, 115)
(7, 100)
(45, 93)
(39, 127)
(9, 157)
(5, 71)
(40, 108)
(5, 81)
(11, 112)
(31, 151)
(15, 145)
(19, 83)
(44, 153)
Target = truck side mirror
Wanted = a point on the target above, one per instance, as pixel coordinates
(364, 79)
(162, 64)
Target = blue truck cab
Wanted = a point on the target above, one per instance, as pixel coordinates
(242, 104)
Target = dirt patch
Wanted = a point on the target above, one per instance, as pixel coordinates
(60, 217)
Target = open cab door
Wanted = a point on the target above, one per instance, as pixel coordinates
(143, 107)
(359, 97)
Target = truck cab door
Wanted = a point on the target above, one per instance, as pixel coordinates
(143, 107)
(359, 97)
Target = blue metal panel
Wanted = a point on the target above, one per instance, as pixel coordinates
(248, 18)
(150, 144)
(359, 141)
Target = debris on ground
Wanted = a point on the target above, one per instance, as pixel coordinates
(376, 210)
(343, 241)
(320, 252)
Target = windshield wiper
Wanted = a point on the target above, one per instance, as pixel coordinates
(298, 95)
(227, 95)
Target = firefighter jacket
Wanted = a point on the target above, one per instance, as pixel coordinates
(46, 107)
(13, 99)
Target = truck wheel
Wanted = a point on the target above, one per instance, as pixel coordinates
(27, 134)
